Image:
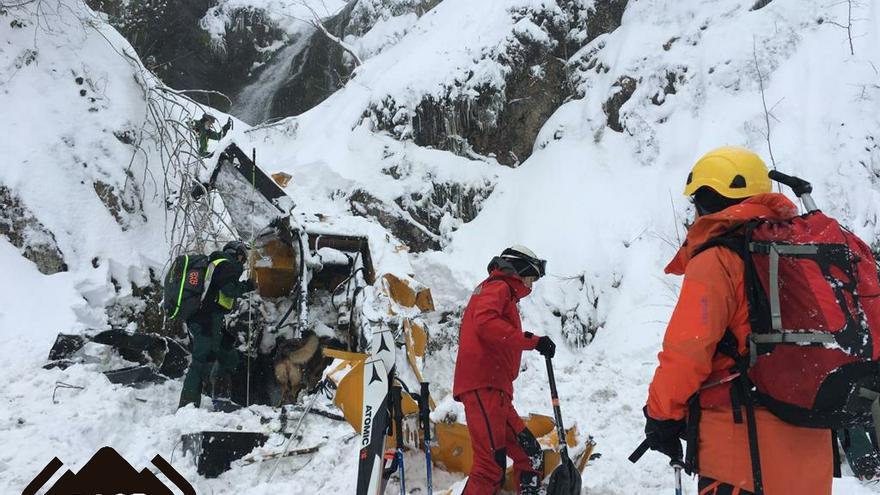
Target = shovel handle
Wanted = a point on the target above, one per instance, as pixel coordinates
(560, 429)
(639, 452)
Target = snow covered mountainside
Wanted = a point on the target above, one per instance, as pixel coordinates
(596, 189)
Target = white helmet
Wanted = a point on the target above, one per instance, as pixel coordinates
(521, 260)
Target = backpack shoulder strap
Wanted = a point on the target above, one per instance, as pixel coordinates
(209, 275)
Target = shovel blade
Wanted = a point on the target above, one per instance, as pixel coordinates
(565, 479)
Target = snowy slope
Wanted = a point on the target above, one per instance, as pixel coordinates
(617, 206)
(603, 206)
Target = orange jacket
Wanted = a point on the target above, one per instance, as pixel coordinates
(793, 459)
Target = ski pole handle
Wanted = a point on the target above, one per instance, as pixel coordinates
(798, 185)
(802, 189)
(639, 452)
(425, 411)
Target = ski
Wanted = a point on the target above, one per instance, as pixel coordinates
(375, 418)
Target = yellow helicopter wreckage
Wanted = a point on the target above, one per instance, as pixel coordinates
(280, 262)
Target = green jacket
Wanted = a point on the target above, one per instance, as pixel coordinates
(224, 286)
(204, 132)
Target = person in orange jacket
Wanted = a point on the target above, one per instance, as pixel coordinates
(729, 186)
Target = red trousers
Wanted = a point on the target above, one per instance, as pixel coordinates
(497, 432)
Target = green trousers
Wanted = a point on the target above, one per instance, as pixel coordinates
(210, 348)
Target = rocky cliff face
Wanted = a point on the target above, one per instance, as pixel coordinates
(501, 119)
(313, 65)
(171, 40)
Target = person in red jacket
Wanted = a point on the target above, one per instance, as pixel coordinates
(491, 342)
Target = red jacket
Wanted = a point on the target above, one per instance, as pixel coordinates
(491, 340)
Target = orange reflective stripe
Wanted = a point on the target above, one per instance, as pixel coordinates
(710, 490)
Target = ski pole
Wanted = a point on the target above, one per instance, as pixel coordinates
(425, 416)
(295, 431)
(676, 466)
(398, 423)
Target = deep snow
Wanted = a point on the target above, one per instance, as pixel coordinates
(603, 207)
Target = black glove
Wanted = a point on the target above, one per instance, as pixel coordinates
(664, 435)
(545, 346)
(249, 285)
(227, 126)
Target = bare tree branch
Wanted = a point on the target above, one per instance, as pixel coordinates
(763, 102)
(317, 23)
(849, 22)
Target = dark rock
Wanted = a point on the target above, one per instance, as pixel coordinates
(503, 122)
(120, 205)
(170, 40)
(143, 306)
(456, 200)
(626, 86)
(393, 218)
(603, 17)
(317, 71)
(36, 243)
(672, 78)
(125, 136)
(760, 4)
(323, 66)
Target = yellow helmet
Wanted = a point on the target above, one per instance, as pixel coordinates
(731, 171)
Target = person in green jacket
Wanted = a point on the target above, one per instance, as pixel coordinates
(211, 344)
(204, 129)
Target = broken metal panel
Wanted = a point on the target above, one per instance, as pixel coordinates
(400, 291)
(251, 197)
(332, 275)
(276, 265)
(213, 452)
(424, 300)
(176, 360)
(137, 343)
(135, 376)
(282, 179)
(416, 339)
(163, 354)
(65, 346)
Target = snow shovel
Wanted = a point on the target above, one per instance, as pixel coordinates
(565, 479)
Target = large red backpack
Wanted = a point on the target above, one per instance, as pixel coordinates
(814, 308)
